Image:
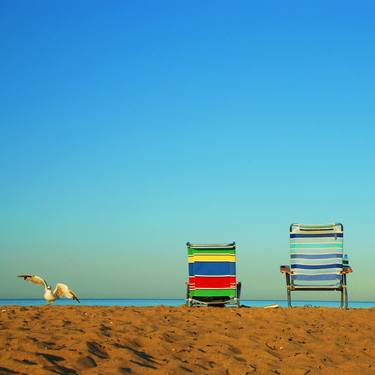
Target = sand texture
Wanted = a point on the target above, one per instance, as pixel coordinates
(181, 340)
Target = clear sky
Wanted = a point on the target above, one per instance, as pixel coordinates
(131, 127)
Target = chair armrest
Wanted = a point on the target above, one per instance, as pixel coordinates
(346, 270)
(285, 269)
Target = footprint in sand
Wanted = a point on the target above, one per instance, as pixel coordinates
(148, 360)
(50, 345)
(186, 369)
(87, 362)
(26, 362)
(97, 350)
(50, 357)
(7, 371)
(105, 330)
(143, 364)
(125, 370)
(57, 369)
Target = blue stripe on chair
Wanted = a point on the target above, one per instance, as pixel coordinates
(212, 268)
(315, 256)
(316, 267)
(317, 277)
(191, 269)
(303, 235)
(316, 245)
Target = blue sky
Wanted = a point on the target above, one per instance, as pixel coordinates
(130, 128)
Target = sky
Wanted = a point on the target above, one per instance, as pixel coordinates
(128, 128)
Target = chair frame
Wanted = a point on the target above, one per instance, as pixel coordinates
(342, 288)
(213, 301)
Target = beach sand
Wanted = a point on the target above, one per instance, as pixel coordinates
(181, 340)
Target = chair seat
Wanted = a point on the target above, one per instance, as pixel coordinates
(319, 288)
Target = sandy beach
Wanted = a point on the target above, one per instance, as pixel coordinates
(179, 340)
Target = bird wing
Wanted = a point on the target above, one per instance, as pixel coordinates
(34, 279)
(63, 290)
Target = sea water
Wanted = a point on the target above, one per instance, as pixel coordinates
(177, 302)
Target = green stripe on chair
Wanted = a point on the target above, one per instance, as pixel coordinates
(192, 251)
(213, 293)
(315, 245)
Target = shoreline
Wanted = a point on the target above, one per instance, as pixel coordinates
(178, 302)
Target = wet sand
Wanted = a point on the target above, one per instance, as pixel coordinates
(181, 340)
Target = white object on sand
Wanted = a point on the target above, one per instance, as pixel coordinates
(271, 306)
(61, 290)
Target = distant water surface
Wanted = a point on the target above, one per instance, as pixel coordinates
(176, 302)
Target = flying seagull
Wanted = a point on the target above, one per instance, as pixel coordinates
(61, 290)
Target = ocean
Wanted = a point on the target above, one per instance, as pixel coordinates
(177, 302)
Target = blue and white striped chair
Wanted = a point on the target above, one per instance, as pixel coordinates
(316, 260)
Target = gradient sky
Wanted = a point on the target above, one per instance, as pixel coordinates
(130, 128)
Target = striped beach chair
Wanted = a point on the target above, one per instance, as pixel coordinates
(212, 275)
(316, 260)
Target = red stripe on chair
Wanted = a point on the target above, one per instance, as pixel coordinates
(213, 282)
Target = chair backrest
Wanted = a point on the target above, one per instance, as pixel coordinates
(316, 255)
(212, 269)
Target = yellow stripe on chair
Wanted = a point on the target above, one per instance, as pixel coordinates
(212, 258)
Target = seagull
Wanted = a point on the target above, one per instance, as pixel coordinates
(49, 296)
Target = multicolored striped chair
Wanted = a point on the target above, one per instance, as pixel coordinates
(212, 275)
(316, 260)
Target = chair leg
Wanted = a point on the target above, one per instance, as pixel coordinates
(188, 299)
(342, 298)
(345, 292)
(239, 285)
(288, 285)
(238, 294)
(346, 298)
(289, 293)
